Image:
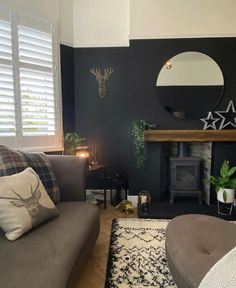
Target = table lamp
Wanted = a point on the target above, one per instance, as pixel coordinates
(82, 151)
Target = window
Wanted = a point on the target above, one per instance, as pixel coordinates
(30, 104)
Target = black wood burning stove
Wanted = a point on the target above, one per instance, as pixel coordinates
(185, 177)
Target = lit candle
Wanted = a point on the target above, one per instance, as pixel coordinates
(143, 199)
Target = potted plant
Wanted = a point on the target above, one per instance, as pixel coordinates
(225, 184)
(72, 141)
(137, 133)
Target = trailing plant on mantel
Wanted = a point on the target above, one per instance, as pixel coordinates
(137, 132)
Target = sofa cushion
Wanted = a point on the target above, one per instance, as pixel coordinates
(15, 161)
(24, 203)
(46, 256)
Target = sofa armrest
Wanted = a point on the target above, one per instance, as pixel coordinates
(70, 172)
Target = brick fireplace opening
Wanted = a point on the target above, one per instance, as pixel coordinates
(185, 177)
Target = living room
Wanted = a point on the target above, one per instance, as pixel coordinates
(147, 89)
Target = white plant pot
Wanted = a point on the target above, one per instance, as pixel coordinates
(230, 195)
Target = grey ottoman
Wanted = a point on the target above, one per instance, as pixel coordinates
(194, 243)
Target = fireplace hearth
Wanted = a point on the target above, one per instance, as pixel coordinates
(185, 177)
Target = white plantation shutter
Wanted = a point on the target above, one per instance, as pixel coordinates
(37, 102)
(7, 99)
(36, 82)
(30, 110)
(5, 43)
(7, 106)
(35, 47)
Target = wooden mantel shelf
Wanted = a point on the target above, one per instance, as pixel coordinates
(190, 135)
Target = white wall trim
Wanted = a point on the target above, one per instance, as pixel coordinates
(147, 37)
(66, 44)
(104, 45)
(116, 45)
(184, 36)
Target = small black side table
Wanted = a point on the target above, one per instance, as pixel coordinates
(97, 179)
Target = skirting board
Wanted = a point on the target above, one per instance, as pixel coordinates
(100, 192)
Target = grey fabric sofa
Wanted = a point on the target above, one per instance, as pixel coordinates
(51, 255)
(194, 243)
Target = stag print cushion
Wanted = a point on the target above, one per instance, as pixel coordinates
(24, 203)
(14, 161)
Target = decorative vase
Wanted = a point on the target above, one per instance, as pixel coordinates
(225, 206)
(230, 195)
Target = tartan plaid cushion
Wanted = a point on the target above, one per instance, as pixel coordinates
(14, 161)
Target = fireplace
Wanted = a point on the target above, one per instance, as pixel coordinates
(185, 177)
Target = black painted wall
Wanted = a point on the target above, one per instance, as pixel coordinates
(103, 121)
(68, 88)
(131, 94)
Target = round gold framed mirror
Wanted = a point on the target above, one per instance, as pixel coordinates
(189, 85)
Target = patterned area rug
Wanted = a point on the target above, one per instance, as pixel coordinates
(137, 254)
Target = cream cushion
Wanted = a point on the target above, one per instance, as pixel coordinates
(24, 203)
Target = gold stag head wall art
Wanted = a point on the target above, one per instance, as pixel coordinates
(101, 78)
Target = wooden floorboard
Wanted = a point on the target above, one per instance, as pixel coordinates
(93, 273)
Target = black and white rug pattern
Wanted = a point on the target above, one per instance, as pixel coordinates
(137, 254)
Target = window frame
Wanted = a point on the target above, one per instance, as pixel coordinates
(34, 143)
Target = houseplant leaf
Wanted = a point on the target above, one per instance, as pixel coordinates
(72, 141)
(225, 180)
(224, 169)
(233, 184)
(231, 171)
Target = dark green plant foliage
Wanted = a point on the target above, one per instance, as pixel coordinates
(72, 141)
(225, 180)
(137, 133)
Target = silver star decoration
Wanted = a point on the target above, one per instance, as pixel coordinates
(209, 121)
(230, 116)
